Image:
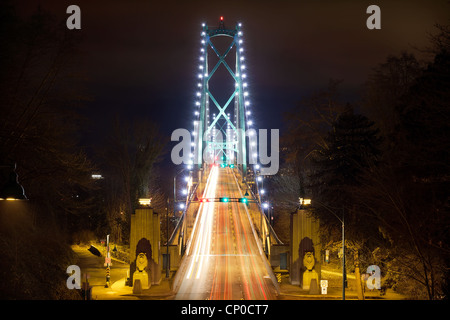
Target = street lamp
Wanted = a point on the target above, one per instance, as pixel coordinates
(167, 241)
(266, 205)
(145, 202)
(304, 202)
(175, 188)
(12, 189)
(187, 179)
(343, 241)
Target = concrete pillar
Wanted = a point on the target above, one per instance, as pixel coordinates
(145, 237)
(304, 237)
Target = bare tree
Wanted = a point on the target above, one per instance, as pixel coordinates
(128, 158)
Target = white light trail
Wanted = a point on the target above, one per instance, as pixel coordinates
(202, 245)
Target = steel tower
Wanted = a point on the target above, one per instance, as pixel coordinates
(221, 127)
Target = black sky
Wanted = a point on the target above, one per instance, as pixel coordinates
(141, 57)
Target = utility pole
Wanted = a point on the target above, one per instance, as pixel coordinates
(167, 242)
(343, 257)
(107, 263)
(344, 277)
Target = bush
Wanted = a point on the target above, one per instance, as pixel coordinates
(83, 237)
(33, 261)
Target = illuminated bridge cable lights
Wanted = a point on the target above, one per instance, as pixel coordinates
(237, 148)
(207, 129)
(213, 119)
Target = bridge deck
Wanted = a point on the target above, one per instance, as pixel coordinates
(223, 259)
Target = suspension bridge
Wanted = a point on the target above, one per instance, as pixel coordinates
(224, 236)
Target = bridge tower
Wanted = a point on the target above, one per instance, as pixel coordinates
(222, 101)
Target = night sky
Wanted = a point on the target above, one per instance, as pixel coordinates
(141, 57)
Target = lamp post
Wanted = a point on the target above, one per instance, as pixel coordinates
(343, 244)
(108, 263)
(12, 189)
(343, 256)
(266, 205)
(175, 189)
(167, 242)
(344, 276)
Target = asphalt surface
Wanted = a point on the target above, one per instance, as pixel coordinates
(93, 267)
(223, 260)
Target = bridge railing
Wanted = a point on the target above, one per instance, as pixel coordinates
(177, 232)
(266, 224)
(178, 236)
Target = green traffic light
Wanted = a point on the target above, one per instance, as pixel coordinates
(225, 199)
(243, 200)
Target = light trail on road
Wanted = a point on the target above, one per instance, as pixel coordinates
(203, 222)
(223, 260)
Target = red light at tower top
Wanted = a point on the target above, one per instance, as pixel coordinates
(221, 23)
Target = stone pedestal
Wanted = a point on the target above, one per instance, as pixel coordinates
(308, 276)
(314, 287)
(142, 277)
(137, 289)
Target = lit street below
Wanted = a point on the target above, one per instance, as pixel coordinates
(94, 268)
(223, 259)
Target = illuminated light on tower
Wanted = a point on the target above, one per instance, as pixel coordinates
(231, 125)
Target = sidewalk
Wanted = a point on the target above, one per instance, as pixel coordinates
(119, 291)
(334, 292)
(291, 292)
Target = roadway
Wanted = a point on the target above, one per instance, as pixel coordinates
(94, 268)
(223, 260)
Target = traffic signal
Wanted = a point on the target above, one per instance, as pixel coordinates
(204, 200)
(243, 200)
(231, 166)
(224, 199)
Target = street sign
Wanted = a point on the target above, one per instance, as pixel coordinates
(324, 286)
